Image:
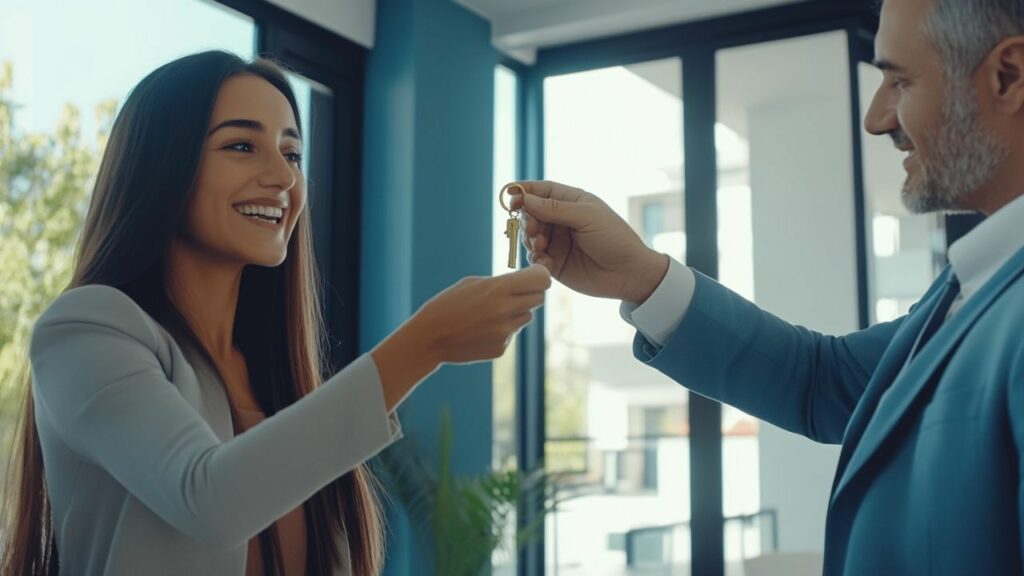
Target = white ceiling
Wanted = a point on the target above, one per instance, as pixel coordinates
(519, 27)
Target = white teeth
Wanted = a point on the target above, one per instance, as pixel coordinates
(254, 209)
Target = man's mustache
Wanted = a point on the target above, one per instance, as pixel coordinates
(900, 139)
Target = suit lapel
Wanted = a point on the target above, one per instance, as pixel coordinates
(889, 366)
(908, 385)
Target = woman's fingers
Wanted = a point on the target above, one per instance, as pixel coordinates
(527, 302)
(535, 279)
(522, 320)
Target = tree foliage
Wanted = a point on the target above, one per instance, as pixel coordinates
(45, 183)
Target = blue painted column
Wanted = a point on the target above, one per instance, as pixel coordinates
(427, 200)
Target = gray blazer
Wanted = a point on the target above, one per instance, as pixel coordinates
(143, 471)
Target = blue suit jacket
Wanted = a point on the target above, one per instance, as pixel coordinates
(929, 479)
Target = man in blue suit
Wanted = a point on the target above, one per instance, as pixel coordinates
(929, 408)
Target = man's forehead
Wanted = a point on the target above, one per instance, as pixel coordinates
(900, 29)
(904, 16)
(907, 5)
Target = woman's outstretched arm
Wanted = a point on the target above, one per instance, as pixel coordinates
(99, 381)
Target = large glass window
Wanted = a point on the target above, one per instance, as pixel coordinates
(787, 241)
(617, 431)
(65, 67)
(776, 91)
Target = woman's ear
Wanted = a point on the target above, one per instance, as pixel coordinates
(1005, 66)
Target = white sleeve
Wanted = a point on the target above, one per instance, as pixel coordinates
(660, 315)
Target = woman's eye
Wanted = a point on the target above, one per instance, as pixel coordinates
(295, 157)
(240, 147)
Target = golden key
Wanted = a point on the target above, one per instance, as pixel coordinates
(512, 225)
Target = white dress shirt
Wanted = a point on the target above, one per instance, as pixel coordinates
(975, 259)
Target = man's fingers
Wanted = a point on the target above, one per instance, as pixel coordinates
(542, 259)
(539, 243)
(542, 189)
(530, 224)
(515, 199)
(553, 190)
(548, 211)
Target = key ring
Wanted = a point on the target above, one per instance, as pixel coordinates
(501, 197)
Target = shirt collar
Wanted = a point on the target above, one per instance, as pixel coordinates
(977, 256)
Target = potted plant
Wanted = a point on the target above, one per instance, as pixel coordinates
(462, 520)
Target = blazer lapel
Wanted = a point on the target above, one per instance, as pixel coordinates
(889, 367)
(923, 369)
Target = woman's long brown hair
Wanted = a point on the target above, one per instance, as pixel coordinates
(144, 185)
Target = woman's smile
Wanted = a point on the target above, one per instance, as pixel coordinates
(266, 217)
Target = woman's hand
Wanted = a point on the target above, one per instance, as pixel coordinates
(471, 321)
(477, 318)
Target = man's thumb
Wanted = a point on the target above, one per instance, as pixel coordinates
(551, 211)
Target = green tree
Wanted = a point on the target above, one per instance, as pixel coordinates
(45, 183)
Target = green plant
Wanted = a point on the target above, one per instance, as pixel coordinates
(462, 520)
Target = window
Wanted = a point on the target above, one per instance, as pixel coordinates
(68, 67)
(617, 431)
(717, 204)
(786, 237)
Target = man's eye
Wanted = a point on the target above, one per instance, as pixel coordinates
(294, 157)
(899, 84)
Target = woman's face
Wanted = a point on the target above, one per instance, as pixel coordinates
(250, 190)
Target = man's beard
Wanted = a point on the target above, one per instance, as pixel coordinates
(965, 157)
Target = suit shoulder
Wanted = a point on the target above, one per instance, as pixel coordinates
(104, 306)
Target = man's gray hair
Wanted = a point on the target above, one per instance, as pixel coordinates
(965, 31)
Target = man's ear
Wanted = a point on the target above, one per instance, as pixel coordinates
(1005, 71)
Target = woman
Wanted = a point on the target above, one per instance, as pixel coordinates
(193, 316)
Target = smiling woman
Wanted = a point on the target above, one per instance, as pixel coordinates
(250, 178)
(180, 396)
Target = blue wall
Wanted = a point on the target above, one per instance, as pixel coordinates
(427, 201)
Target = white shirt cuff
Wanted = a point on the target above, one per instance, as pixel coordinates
(658, 317)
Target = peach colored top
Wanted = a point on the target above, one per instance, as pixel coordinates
(291, 529)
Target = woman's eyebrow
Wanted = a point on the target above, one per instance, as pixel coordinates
(255, 125)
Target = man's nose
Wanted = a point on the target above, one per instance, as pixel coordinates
(881, 117)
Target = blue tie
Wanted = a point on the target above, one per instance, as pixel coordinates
(950, 291)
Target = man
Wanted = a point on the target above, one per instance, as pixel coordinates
(929, 408)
